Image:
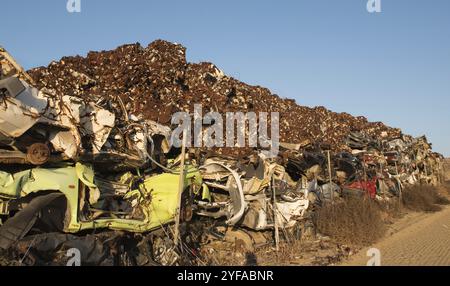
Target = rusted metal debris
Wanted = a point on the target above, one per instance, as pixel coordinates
(158, 77)
(109, 113)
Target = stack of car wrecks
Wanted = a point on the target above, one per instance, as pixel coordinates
(87, 162)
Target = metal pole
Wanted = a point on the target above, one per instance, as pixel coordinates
(180, 190)
(275, 216)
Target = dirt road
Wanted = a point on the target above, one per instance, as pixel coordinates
(415, 240)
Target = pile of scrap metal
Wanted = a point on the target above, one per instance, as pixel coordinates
(382, 167)
(263, 200)
(79, 170)
(76, 166)
(157, 81)
(98, 167)
(38, 126)
(252, 197)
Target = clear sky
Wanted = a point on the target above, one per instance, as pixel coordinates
(392, 66)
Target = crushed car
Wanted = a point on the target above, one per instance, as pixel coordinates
(38, 126)
(72, 199)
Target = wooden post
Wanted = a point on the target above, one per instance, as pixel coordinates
(398, 184)
(366, 190)
(330, 175)
(180, 190)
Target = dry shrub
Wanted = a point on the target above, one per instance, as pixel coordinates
(391, 210)
(423, 198)
(354, 221)
(288, 252)
(446, 187)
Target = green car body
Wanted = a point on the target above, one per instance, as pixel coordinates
(156, 197)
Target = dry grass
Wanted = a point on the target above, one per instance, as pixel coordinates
(287, 253)
(423, 198)
(447, 169)
(354, 221)
(391, 210)
(446, 188)
(306, 253)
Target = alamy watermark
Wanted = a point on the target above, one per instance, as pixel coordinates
(73, 6)
(375, 257)
(74, 255)
(240, 128)
(374, 6)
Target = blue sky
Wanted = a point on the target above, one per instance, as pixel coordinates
(392, 66)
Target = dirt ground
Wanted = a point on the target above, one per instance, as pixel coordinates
(418, 239)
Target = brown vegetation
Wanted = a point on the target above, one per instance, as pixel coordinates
(423, 198)
(356, 221)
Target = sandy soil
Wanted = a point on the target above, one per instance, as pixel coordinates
(418, 239)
